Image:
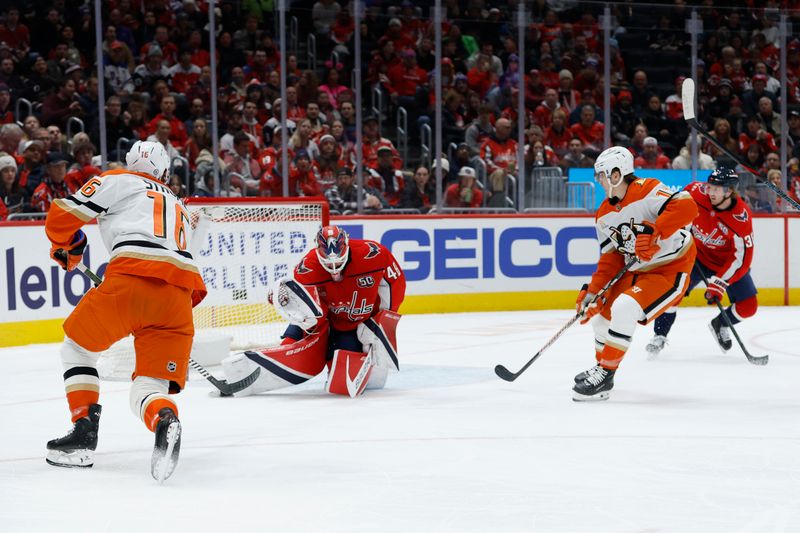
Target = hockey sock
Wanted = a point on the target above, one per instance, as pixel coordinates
(664, 323)
(81, 381)
(625, 312)
(742, 309)
(148, 397)
(731, 315)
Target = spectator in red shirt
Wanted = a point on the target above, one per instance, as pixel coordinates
(385, 178)
(177, 136)
(558, 136)
(53, 185)
(500, 151)
(756, 134)
(168, 49)
(199, 56)
(543, 115)
(240, 162)
(651, 158)
(464, 193)
(547, 71)
(184, 74)
(589, 130)
(14, 34)
(480, 77)
(82, 169)
(302, 181)
(405, 79)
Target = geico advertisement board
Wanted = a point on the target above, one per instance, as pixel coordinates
(440, 255)
(463, 254)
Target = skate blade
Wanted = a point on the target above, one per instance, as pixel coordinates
(162, 466)
(716, 339)
(652, 354)
(599, 397)
(73, 459)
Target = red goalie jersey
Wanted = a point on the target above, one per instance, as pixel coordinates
(724, 239)
(372, 281)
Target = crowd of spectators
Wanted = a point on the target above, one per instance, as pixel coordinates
(157, 70)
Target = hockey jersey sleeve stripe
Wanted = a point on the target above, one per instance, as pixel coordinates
(738, 258)
(148, 244)
(61, 224)
(89, 204)
(664, 206)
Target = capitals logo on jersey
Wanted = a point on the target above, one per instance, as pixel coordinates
(355, 313)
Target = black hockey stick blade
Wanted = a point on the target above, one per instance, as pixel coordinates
(225, 388)
(756, 360)
(688, 96)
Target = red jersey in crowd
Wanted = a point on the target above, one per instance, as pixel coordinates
(767, 143)
(75, 179)
(177, 134)
(405, 81)
(391, 186)
(300, 183)
(660, 162)
(724, 239)
(499, 154)
(46, 192)
(593, 135)
(453, 198)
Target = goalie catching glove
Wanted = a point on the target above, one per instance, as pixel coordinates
(69, 256)
(297, 304)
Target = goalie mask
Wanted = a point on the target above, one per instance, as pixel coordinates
(333, 249)
(150, 158)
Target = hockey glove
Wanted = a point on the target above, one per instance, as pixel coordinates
(69, 256)
(715, 290)
(646, 238)
(585, 307)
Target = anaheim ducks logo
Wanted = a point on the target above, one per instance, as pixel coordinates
(624, 236)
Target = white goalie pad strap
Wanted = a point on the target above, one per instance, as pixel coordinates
(297, 304)
(383, 343)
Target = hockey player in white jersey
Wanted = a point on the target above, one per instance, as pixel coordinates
(150, 287)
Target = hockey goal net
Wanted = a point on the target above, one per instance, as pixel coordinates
(241, 246)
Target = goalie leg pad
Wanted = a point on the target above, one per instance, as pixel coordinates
(281, 366)
(349, 374)
(379, 334)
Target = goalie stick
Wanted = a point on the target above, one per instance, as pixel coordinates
(504, 373)
(225, 388)
(688, 97)
(761, 361)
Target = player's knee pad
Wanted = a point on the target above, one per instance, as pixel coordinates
(626, 313)
(379, 336)
(144, 391)
(349, 373)
(600, 327)
(73, 355)
(746, 308)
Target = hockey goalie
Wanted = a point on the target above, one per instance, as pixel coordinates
(341, 304)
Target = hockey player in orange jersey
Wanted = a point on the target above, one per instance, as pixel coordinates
(150, 286)
(640, 218)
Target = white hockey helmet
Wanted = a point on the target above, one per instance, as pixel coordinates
(612, 158)
(149, 157)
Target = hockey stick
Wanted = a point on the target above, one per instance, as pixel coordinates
(688, 97)
(225, 388)
(764, 359)
(504, 373)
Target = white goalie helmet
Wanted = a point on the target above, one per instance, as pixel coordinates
(612, 158)
(149, 157)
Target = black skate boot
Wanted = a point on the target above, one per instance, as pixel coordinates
(585, 374)
(595, 386)
(76, 449)
(167, 446)
(722, 333)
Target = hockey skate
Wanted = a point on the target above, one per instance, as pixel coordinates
(585, 374)
(595, 386)
(655, 346)
(721, 332)
(167, 446)
(76, 449)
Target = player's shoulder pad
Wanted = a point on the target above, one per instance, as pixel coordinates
(367, 250)
(309, 272)
(741, 213)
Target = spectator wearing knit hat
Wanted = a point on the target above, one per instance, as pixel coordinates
(651, 158)
(11, 193)
(145, 75)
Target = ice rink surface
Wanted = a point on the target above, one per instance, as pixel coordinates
(696, 440)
